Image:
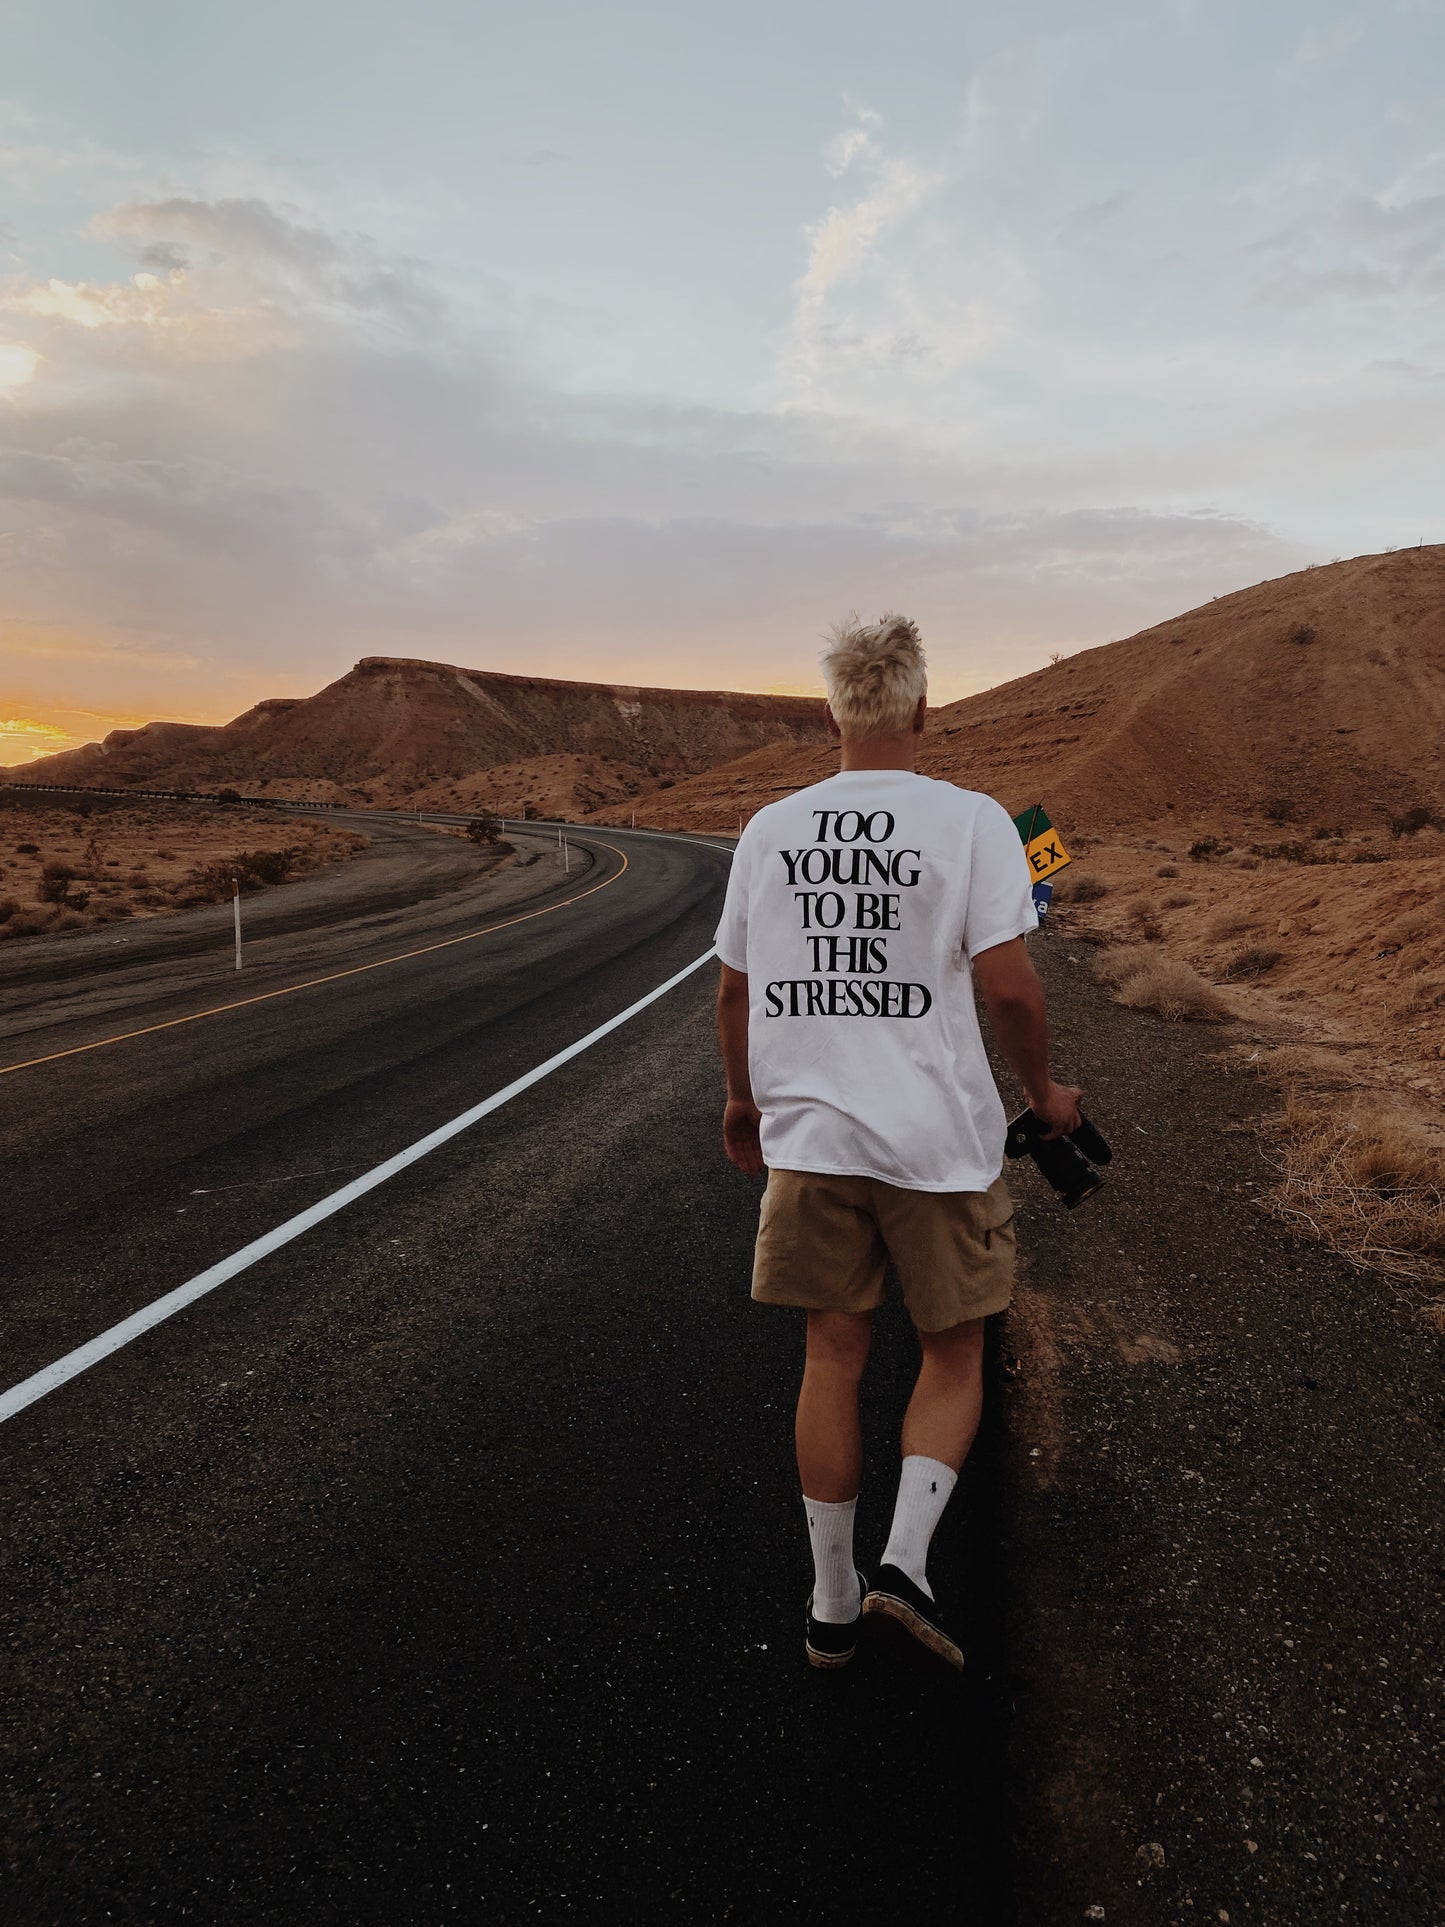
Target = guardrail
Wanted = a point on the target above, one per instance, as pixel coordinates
(170, 796)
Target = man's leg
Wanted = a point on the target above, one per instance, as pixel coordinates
(938, 1429)
(830, 1454)
(947, 1401)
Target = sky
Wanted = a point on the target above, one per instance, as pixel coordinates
(639, 343)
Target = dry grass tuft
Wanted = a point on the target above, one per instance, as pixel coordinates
(1255, 960)
(1230, 923)
(1425, 992)
(1305, 1064)
(1119, 961)
(1166, 985)
(1080, 889)
(1410, 928)
(1364, 1182)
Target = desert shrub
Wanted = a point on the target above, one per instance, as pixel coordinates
(484, 828)
(252, 869)
(1302, 633)
(1206, 848)
(30, 923)
(1369, 856)
(233, 796)
(55, 881)
(1173, 989)
(27, 849)
(1292, 853)
(1244, 862)
(1363, 1182)
(77, 899)
(8, 908)
(1328, 832)
(164, 856)
(1084, 889)
(267, 866)
(1418, 817)
(138, 880)
(70, 920)
(114, 912)
(1255, 960)
(1143, 920)
(1279, 809)
(1175, 903)
(1166, 870)
(1377, 656)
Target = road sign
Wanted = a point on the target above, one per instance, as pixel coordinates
(1042, 847)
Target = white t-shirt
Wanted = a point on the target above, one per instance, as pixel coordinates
(855, 907)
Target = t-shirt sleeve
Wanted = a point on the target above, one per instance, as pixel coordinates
(732, 931)
(1000, 891)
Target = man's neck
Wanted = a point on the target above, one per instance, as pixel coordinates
(880, 752)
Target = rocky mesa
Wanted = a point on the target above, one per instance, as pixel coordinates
(393, 730)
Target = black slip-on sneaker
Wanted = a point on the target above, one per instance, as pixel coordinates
(831, 1646)
(894, 1595)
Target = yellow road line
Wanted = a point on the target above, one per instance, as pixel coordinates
(288, 990)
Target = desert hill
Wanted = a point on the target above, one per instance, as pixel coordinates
(393, 730)
(1317, 699)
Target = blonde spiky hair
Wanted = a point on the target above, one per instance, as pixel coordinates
(875, 674)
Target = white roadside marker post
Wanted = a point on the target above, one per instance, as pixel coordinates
(236, 913)
(566, 856)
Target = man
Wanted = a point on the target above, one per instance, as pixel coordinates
(857, 913)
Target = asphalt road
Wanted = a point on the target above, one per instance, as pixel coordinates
(447, 1564)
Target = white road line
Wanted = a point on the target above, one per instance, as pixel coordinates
(74, 1363)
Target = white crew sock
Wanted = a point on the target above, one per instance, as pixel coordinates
(835, 1579)
(923, 1491)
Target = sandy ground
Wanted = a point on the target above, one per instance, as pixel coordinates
(1343, 954)
(131, 861)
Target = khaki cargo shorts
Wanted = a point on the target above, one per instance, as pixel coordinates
(823, 1243)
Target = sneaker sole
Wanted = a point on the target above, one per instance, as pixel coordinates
(827, 1662)
(928, 1636)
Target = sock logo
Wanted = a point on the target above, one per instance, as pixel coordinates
(933, 1485)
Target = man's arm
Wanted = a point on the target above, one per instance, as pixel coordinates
(1014, 999)
(741, 1116)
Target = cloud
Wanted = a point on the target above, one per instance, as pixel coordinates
(277, 449)
(297, 263)
(841, 245)
(1362, 246)
(1329, 41)
(1091, 216)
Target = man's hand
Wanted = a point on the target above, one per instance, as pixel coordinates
(1057, 1107)
(741, 1119)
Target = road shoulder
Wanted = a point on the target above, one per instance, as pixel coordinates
(1221, 1525)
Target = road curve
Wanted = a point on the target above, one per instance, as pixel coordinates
(446, 1561)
